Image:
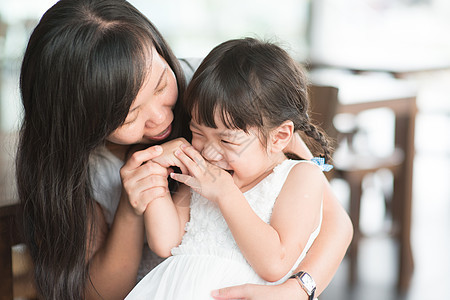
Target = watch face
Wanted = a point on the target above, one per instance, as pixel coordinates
(308, 282)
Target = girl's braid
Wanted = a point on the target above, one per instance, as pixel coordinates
(318, 135)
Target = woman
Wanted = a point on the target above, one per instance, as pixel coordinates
(96, 79)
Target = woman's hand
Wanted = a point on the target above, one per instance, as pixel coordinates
(144, 180)
(298, 147)
(289, 290)
(203, 177)
(168, 159)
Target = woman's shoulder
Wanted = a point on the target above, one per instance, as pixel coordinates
(104, 168)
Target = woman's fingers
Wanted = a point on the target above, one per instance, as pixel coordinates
(140, 157)
(145, 190)
(260, 292)
(234, 292)
(131, 177)
(167, 158)
(140, 203)
(144, 180)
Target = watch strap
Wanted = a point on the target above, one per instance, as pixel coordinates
(298, 277)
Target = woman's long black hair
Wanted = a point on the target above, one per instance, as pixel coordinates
(84, 64)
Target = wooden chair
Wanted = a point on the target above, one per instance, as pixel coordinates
(16, 280)
(324, 105)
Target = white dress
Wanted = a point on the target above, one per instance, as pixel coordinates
(208, 258)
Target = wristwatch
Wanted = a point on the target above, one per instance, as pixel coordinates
(306, 282)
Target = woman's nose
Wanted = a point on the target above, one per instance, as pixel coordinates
(155, 117)
(212, 152)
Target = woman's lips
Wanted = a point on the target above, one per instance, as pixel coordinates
(163, 135)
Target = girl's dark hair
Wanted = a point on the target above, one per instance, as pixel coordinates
(84, 64)
(252, 83)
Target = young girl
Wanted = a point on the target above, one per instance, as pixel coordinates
(247, 213)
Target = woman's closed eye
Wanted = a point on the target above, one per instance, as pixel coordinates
(162, 84)
(132, 116)
(161, 88)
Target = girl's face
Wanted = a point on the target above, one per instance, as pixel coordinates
(150, 116)
(241, 154)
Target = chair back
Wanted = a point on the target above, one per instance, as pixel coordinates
(323, 108)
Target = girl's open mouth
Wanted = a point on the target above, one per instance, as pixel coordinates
(230, 171)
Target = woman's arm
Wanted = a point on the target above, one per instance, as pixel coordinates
(329, 248)
(115, 253)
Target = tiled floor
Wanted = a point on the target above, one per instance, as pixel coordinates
(431, 214)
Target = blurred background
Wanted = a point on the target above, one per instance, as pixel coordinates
(389, 61)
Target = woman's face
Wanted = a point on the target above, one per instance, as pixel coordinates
(150, 116)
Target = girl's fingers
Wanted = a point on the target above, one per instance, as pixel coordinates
(186, 161)
(193, 154)
(192, 159)
(187, 180)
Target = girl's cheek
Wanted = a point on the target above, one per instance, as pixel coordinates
(197, 145)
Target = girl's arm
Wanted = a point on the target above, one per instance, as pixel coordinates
(271, 249)
(165, 220)
(321, 261)
(115, 253)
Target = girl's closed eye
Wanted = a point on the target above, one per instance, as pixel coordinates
(196, 133)
(231, 143)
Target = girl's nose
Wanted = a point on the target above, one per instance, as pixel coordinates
(212, 152)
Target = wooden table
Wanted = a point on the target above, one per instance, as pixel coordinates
(9, 213)
(359, 93)
(399, 63)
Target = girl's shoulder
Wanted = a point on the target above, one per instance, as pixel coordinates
(301, 171)
(316, 164)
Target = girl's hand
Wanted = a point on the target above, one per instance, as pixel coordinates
(143, 180)
(168, 158)
(206, 179)
(289, 290)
